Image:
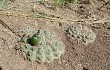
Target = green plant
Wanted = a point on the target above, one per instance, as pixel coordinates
(43, 46)
(60, 3)
(1, 3)
(35, 39)
(80, 32)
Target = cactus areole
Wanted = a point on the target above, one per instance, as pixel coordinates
(50, 47)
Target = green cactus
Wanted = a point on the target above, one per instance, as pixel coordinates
(46, 47)
(80, 32)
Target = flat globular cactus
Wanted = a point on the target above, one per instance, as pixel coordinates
(43, 46)
(80, 32)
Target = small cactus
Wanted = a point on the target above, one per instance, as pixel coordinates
(80, 32)
(46, 46)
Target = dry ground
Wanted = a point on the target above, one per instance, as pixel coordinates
(18, 21)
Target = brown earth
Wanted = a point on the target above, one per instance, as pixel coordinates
(15, 20)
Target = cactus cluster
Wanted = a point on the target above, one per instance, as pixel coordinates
(81, 32)
(43, 46)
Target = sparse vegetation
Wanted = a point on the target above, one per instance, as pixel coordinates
(1, 3)
(60, 3)
(23, 47)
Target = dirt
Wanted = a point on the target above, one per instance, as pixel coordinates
(16, 21)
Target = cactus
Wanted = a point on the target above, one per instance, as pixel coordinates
(80, 32)
(45, 46)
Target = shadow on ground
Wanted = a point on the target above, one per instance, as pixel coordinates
(1, 68)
